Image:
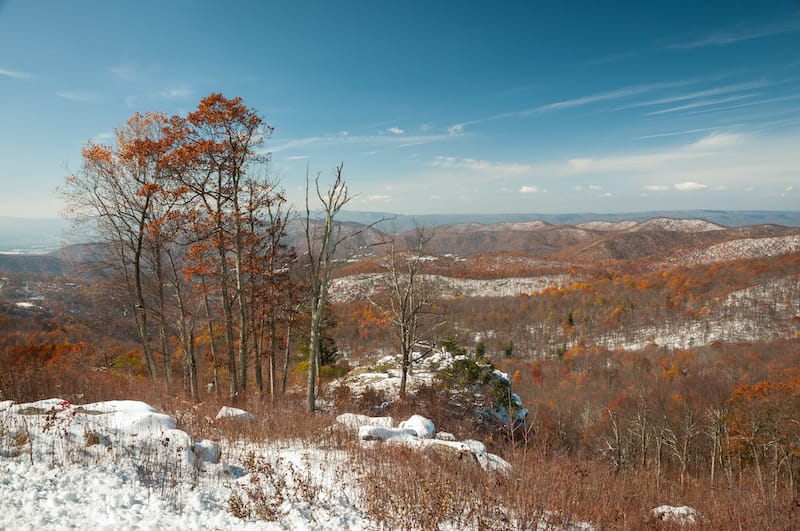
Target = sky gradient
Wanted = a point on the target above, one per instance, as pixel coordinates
(450, 107)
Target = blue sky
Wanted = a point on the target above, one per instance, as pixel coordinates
(452, 107)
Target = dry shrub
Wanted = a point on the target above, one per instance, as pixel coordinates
(284, 418)
(592, 491)
(407, 489)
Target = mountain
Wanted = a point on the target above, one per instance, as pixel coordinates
(728, 218)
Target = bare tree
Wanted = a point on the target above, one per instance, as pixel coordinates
(410, 299)
(322, 240)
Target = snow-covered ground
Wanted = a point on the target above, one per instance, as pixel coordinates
(124, 465)
(744, 315)
(363, 286)
(738, 249)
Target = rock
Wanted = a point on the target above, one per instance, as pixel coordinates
(354, 421)
(454, 452)
(379, 433)
(233, 413)
(476, 446)
(423, 427)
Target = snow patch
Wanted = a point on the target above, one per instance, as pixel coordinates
(227, 412)
(683, 515)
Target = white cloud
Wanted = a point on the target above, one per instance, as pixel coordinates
(529, 190)
(485, 167)
(722, 38)
(595, 187)
(176, 93)
(675, 133)
(397, 141)
(725, 89)
(719, 140)
(579, 164)
(133, 71)
(704, 103)
(689, 186)
(77, 96)
(425, 127)
(380, 197)
(624, 92)
(578, 188)
(16, 74)
(297, 157)
(103, 137)
(455, 129)
(395, 131)
(343, 132)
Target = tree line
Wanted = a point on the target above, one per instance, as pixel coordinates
(194, 230)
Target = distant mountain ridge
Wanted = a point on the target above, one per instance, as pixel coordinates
(31, 245)
(728, 218)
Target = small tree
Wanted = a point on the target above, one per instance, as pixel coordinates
(410, 298)
(322, 240)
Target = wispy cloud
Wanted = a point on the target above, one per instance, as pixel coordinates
(379, 197)
(176, 93)
(101, 138)
(16, 74)
(488, 168)
(394, 140)
(765, 101)
(610, 95)
(676, 133)
(719, 140)
(737, 87)
(725, 37)
(704, 103)
(689, 186)
(529, 189)
(87, 97)
(133, 71)
(656, 188)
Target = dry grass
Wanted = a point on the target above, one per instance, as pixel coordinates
(402, 488)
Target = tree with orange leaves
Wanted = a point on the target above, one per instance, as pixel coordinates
(121, 192)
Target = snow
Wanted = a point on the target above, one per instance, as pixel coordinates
(124, 465)
(354, 421)
(422, 427)
(227, 412)
(739, 249)
(607, 225)
(107, 465)
(683, 515)
(420, 433)
(364, 285)
(677, 225)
